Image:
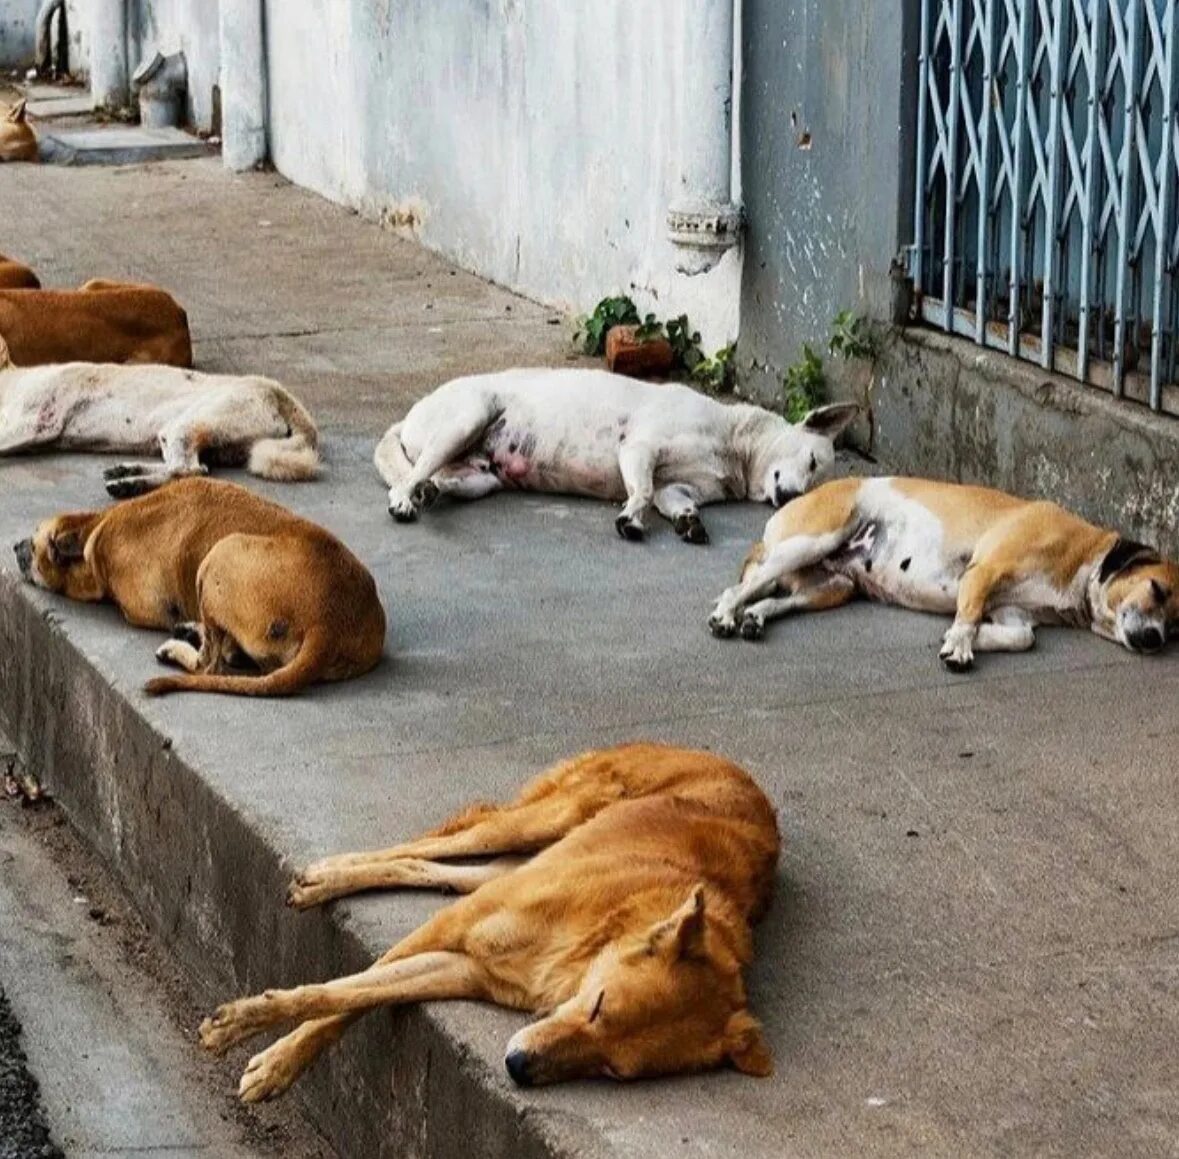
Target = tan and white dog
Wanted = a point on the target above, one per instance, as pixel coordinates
(18, 142)
(1000, 565)
(191, 419)
(588, 432)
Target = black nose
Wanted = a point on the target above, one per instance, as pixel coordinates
(1146, 640)
(517, 1064)
(781, 497)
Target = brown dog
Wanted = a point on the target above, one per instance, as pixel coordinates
(241, 581)
(630, 927)
(14, 276)
(101, 322)
(18, 142)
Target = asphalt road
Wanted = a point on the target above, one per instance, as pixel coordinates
(23, 1131)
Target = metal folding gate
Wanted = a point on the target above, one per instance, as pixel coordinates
(1047, 173)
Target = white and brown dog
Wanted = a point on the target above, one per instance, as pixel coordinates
(192, 419)
(1000, 565)
(588, 432)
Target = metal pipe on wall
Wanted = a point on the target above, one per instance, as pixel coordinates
(243, 83)
(110, 76)
(703, 221)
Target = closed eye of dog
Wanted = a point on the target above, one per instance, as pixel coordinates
(597, 1008)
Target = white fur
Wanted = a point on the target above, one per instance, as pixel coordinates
(588, 432)
(156, 409)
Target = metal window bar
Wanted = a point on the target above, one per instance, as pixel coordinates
(1047, 216)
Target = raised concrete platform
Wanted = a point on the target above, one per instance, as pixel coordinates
(119, 145)
(47, 108)
(972, 947)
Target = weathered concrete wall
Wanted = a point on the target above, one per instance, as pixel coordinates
(18, 32)
(536, 144)
(945, 408)
(826, 128)
(181, 25)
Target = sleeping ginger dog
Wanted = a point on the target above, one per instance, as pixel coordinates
(101, 322)
(242, 583)
(618, 904)
(1000, 565)
(191, 419)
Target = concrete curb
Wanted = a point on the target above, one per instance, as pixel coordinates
(208, 884)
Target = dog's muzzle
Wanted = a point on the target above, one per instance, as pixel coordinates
(24, 557)
(518, 1067)
(1146, 640)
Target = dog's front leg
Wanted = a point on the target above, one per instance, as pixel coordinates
(679, 503)
(181, 454)
(636, 462)
(974, 590)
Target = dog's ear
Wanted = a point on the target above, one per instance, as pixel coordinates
(17, 113)
(67, 545)
(1125, 553)
(746, 1046)
(832, 420)
(682, 934)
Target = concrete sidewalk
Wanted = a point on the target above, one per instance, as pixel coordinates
(973, 949)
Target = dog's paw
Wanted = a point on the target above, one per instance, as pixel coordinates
(221, 1029)
(190, 633)
(753, 627)
(957, 651)
(124, 470)
(629, 528)
(268, 1074)
(424, 494)
(177, 654)
(131, 486)
(403, 510)
(722, 626)
(308, 889)
(690, 528)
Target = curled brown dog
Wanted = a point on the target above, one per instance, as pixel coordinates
(618, 903)
(260, 601)
(101, 322)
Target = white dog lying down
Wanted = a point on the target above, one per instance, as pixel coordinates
(588, 432)
(193, 419)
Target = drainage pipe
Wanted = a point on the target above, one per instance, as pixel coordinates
(110, 86)
(243, 84)
(45, 16)
(703, 221)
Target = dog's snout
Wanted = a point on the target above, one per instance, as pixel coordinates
(784, 495)
(24, 555)
(1146, 640)
(517, 1063)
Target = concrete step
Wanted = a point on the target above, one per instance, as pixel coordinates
(61, 105)
(119, 145)
(118, 1075)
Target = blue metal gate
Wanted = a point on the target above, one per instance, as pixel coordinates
(1047, 173)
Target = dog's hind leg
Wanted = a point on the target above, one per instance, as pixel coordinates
(636, 462)
(330, 878)
(811, 595)
(414, 489)
(679, 504)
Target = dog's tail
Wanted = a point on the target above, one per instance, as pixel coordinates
(391, 459)
(303, 670)
(294, 457)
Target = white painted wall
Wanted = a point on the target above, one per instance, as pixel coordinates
(534, 142)
(18, 32)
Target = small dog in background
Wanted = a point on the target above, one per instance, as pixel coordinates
(618, 903)
(18, 142)
(260, 601)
